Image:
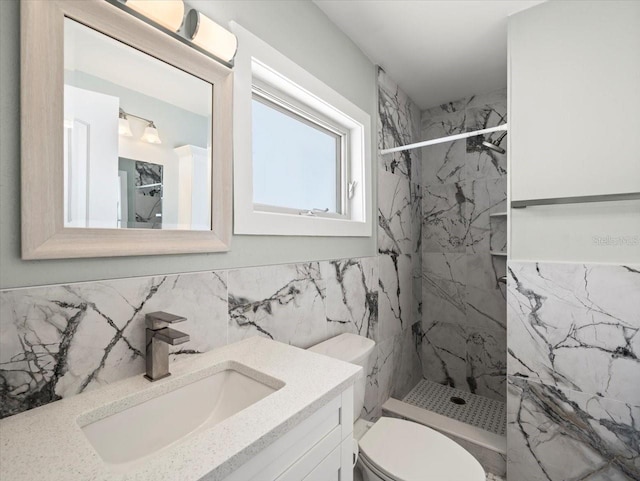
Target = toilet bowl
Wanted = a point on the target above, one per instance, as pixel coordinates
(394, 449)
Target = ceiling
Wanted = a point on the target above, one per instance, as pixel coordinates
(436, 50)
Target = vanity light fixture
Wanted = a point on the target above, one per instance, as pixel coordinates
(123, 124)
(210, 36)
(150, 133)
(168, 13)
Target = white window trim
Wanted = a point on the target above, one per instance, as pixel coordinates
(257, 59)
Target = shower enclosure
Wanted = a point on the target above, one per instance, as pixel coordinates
(461, 335)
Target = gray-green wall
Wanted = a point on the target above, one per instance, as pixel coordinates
(296, 28)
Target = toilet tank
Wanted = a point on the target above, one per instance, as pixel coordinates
(356, 350)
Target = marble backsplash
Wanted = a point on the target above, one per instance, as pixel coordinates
(463, 305)
(573, 406)
(62, 340)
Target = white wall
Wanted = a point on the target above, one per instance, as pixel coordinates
(574, 103)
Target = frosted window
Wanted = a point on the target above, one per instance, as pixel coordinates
(296, 164)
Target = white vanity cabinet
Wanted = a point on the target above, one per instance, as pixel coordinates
(320, 448)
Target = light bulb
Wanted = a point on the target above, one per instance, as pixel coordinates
(151, 134)
(124, 128)
(210, 36)
(168, 13)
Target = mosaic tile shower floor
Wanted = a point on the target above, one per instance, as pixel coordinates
(479, 411)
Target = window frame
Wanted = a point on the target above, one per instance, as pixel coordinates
(279, 102)
(263, 71)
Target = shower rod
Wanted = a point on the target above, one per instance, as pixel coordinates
(441, 140)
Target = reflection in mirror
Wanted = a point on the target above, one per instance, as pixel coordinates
(140, 194)
(137, 138)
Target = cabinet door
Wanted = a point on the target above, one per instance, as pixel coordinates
(329, 468)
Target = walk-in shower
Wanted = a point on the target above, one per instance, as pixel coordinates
(462, 338)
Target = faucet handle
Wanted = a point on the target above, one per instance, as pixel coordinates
(160, 319)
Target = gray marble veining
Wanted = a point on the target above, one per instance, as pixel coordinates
(60, 341)
(573, 396)
(286, 303)
(576, 326)
(398, 124)
(463, 306)
(558, 434)
(352, 296)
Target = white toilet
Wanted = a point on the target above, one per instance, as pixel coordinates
(393, 449)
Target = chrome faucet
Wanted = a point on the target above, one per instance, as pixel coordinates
(159, 338)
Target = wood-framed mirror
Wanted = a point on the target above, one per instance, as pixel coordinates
(126, 136)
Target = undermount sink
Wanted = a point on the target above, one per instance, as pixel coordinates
(153, 424)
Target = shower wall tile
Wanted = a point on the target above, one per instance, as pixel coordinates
(576, 326)
(484, 270)
(397, 124)
(396, 366)
(394, 369)
(482, 163)
(485, 111)
(485, 197)
(59, 341)
(352, 296)
(463, 311)
(443, 287)
(446, 108)
(380, 377)
(444, 163)
(395, 296)
(416, 252)
(498, 234)
(464, 159)
(445, 220)
(443, 125)
(408, 371)
(557, 434)
(443, 352)
(286, 303)
(443, 346)
(395, 246)
(395, 214)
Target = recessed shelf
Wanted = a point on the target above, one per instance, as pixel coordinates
(498, 214)
(496, 253)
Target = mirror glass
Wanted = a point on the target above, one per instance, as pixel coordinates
(137, 138)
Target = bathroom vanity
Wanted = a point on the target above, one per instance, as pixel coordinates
(253, 410)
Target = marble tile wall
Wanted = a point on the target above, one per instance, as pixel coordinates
(59, 341)
(573, 406)
(396, 365)
(463, 305)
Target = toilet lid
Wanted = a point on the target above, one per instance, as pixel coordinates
(407, 451)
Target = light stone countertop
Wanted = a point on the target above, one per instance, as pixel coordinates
(47, 443)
